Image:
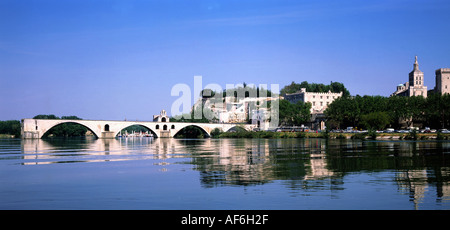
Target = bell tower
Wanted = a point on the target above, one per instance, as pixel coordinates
(416, 76)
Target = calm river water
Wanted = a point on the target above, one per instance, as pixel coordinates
(230, 174)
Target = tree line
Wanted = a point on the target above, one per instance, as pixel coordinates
(334, 87)
(11, 127)
(378, 112)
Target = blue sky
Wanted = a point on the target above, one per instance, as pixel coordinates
(120, 59)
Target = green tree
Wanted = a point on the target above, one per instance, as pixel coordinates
(433, 111)
(397, 110)
(294, 114)
(416, 107)
(216, 132)
(375, 120)
(334, 87)
(437, 110)
(43, 116)
(11, 127)
(342, 112)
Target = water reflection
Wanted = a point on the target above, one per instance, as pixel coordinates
(300, 164)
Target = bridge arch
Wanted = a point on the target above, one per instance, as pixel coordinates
(47, 129)
(137, 124)
(193, 125)
(235, 128)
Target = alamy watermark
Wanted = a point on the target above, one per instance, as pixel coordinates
(212, 102)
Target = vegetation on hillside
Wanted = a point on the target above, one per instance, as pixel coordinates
(334, 87)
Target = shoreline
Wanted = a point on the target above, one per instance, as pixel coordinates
(362, 136)
(7, 136)
(279, 135)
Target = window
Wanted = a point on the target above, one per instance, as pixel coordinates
(165, 127)
(321, 103)
(157, 126)
(173, 127)
(163, 119)
(314, 103)
(106, 128)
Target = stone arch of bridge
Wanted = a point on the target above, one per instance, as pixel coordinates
(234, 127)
(188, 125)
(61, 122)
(138, 124)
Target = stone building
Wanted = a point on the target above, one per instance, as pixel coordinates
(442, 81)
(319, 101)
(231, 109)
(415, 86)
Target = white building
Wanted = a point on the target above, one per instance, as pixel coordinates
(319, 101)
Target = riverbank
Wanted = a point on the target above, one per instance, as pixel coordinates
(363, 136)
(5, 136)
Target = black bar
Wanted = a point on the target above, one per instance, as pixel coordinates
(260, 219)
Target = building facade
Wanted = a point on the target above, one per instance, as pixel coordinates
(415, 86)
(442, 81)
(231, 109)
(242, 110)
(319, 101)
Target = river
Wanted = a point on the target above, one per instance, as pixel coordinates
(231, 174)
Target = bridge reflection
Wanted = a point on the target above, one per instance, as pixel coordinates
(301, 164)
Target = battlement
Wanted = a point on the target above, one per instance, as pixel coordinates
(325, 93)
(303, 90)
(443, 70)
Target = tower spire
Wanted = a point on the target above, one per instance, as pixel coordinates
(416, 64)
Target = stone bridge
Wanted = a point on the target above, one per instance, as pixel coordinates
(36, 128)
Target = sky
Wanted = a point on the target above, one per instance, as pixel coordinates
(119, 59)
